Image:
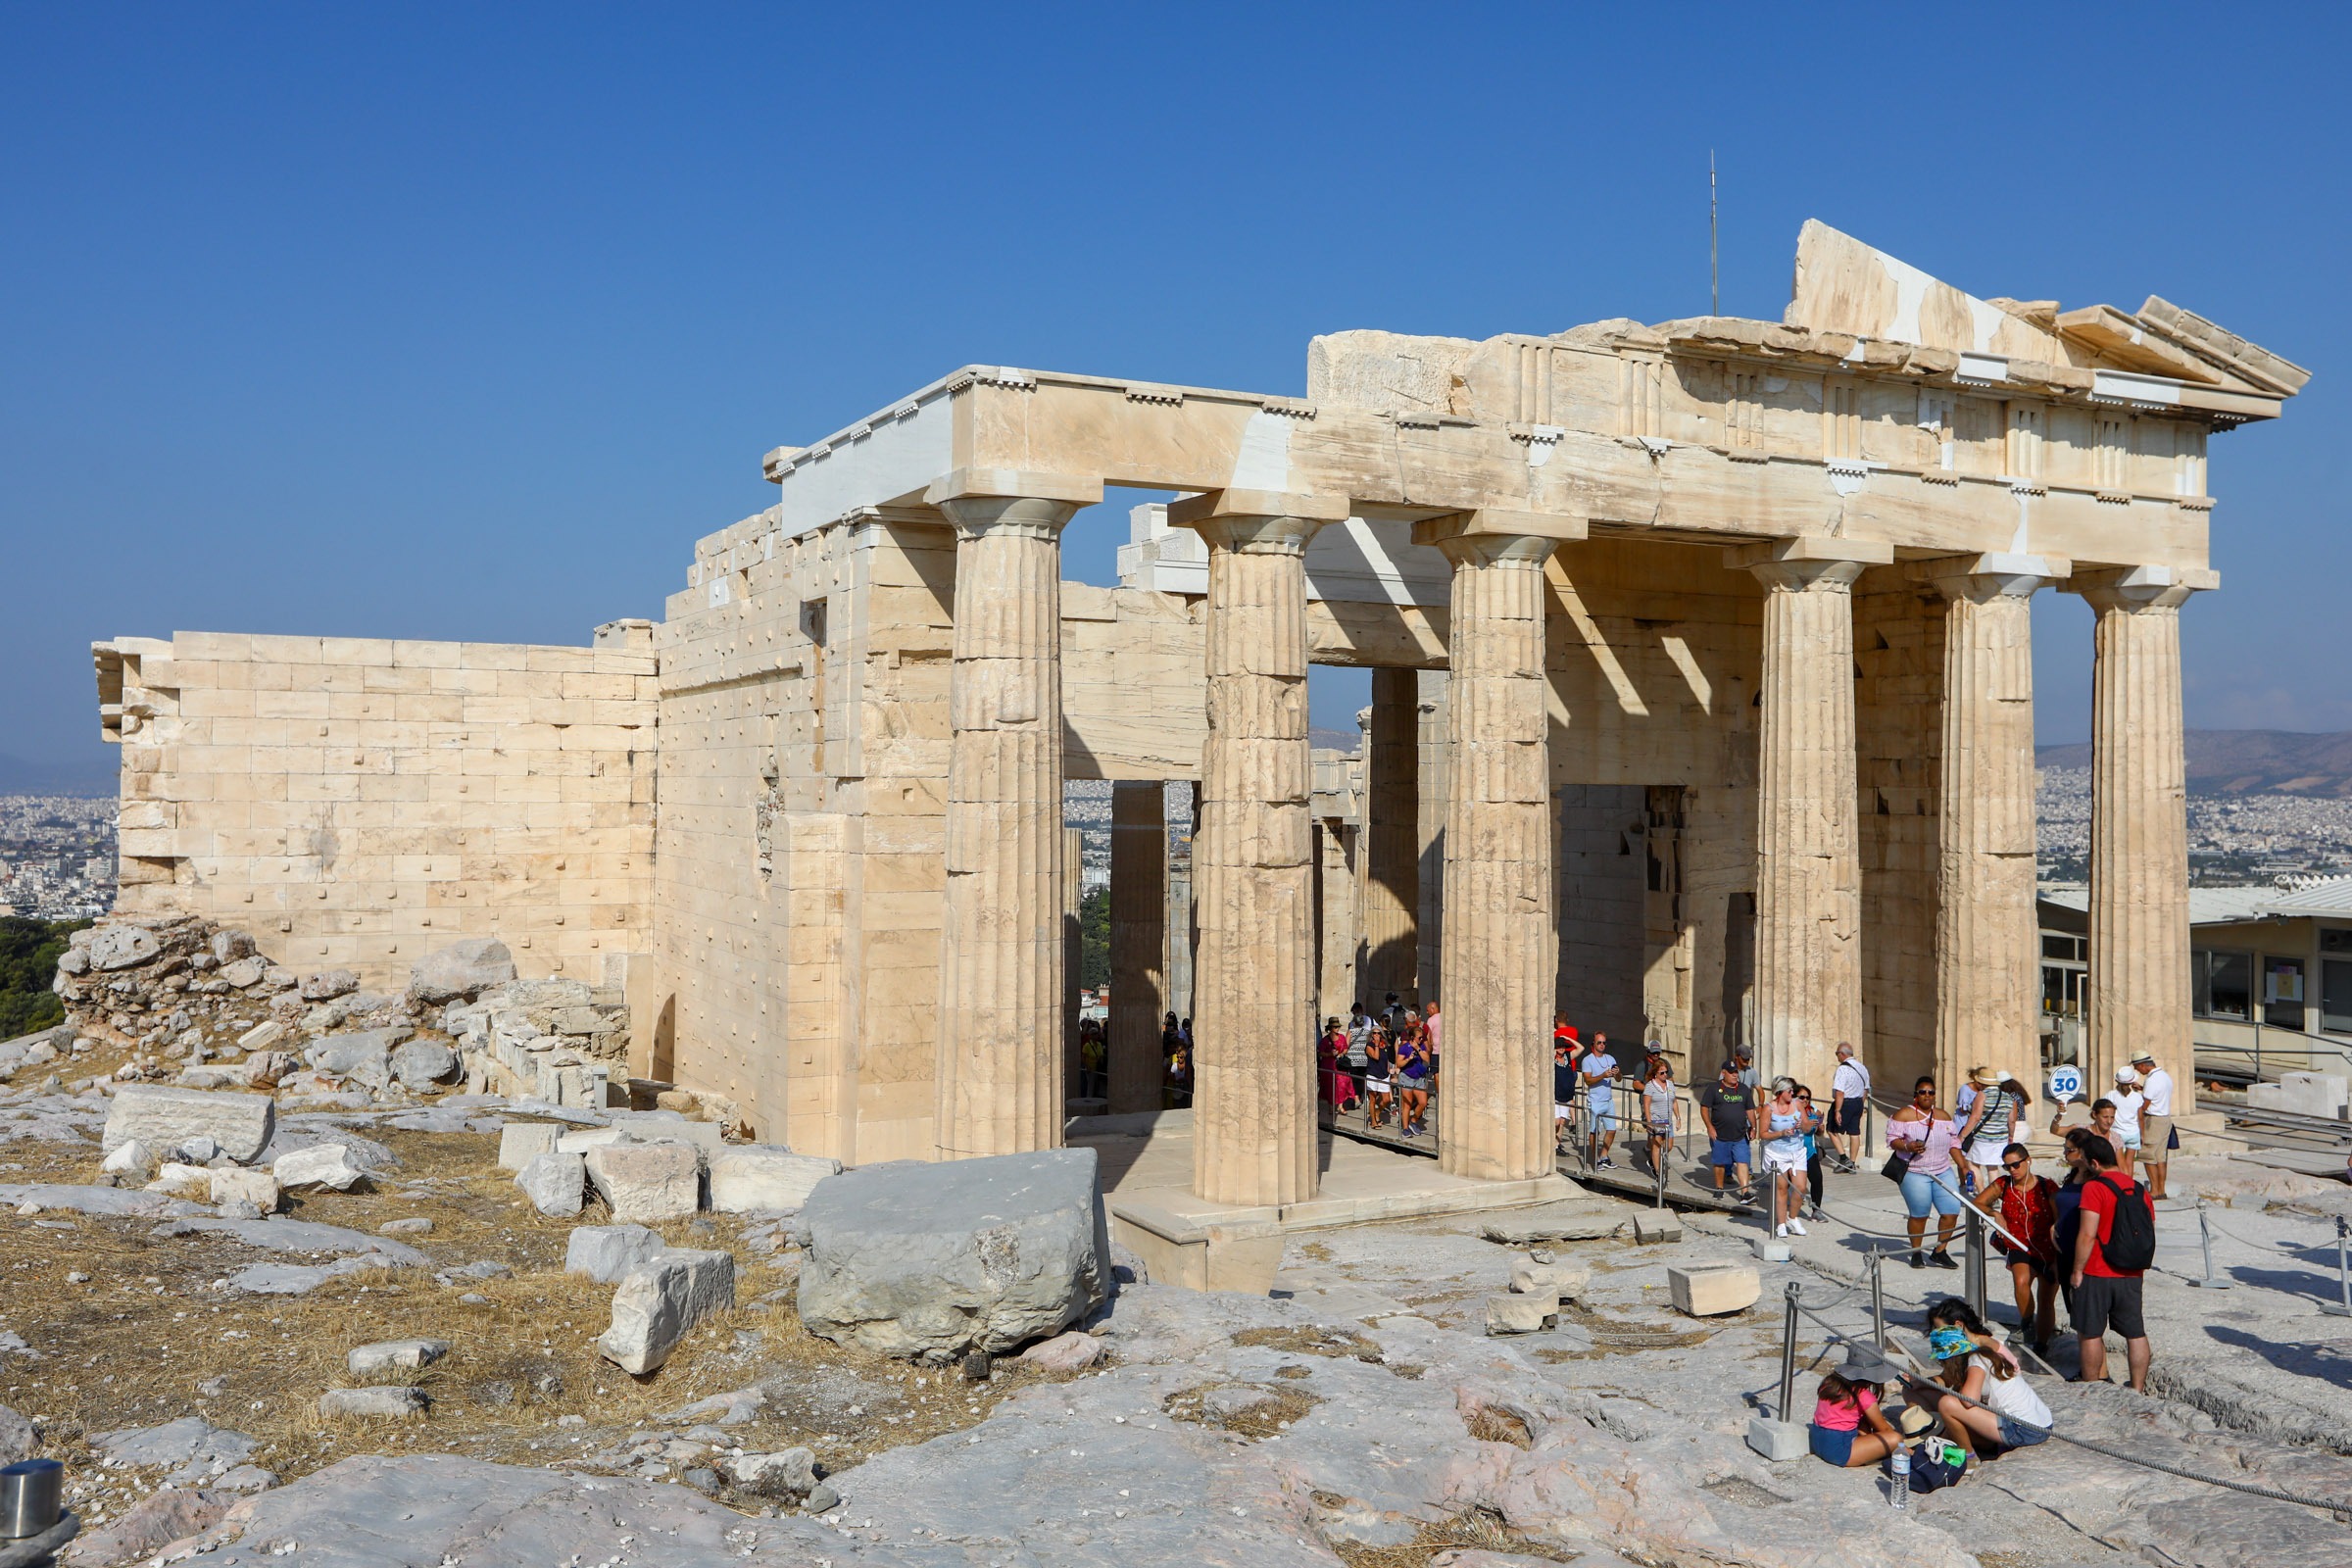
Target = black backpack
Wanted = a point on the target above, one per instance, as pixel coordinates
(2131, 1245)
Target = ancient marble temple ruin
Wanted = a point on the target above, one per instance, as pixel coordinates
(1702, 707)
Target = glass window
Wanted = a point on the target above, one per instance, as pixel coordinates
(2335, 996)
(2057, 947)
(2231, 985)
(2282, 993)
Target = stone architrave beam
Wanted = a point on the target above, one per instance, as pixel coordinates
(1808, 974)
(1987, 938)
(2138, 985)
(1501, 947)
(1254, 1110)
(1000, 1061)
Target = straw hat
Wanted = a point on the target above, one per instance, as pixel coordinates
(1987, 1078)
(1911, 1421)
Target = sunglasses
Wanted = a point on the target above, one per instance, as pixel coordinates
(2013, 1164)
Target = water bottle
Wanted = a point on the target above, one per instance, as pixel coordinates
(1901, 1495)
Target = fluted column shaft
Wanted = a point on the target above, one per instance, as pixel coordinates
(1392, 836)
(1987, 936)
(2137, 991)
(1253, 1111)
(1000, 1065)
(1139, 914)
(1500, 947)
(1808, 987)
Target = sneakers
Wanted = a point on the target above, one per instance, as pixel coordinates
(1795, 1227)
(1781, 1231)
(1942, 1259)
(1605, 1163)
(1919, 1260)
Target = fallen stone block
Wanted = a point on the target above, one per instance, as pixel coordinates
(1569, 1220)
(910, 1258)
(121, 947)
(582, 1141)
(1656, 1225)
(262, 1035)
(662, 1299)
(130, 1160)
(423, 1062)
(789, 1474)
(606, 1253)
(521, 1141)
(555, 1184)
(1552, 1282)
(759, 1178)
(389, 1355)
(1519, 1314)
(658, 1127)
(414, 1225)
(328, 984)
(319, 1165)
(237, 1185)
(644, 1182)
(164, 1117)
(385, 1403)
(1714, 1290)
(464, 968)
(363, 1054)
(243, 973)
(1073, 1352)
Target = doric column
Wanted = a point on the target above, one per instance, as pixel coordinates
(1501, 946)
(1338, 915)
(1987, 937)
(1253, 1086)
(1073, 956)
(1391, 835)
(1000, 1067)
(1139, 912)
(1183, 919)
(1428, 837)
(2138, 985)
(1808, 987)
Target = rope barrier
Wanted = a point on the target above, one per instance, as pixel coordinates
(2342, 1511)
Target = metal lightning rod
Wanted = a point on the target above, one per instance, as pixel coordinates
(1714, 263)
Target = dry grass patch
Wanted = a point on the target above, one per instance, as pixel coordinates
(1246, 1409)
(1475, 1530)
(1335, 1342)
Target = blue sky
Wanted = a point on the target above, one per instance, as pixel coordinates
(464, 321)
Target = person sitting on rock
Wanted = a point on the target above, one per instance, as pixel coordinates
(1985, 1371)
(1847, 1400)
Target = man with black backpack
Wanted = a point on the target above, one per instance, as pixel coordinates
(2114, 1247)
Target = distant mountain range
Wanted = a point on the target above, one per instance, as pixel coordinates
(21, 777)
(2248, 761)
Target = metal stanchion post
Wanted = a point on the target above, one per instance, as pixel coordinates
(1788, 1355)
(2344, 1271)
(1776, 1437)
(2210, 1281)
(1973, 1277)
(1877, 1300)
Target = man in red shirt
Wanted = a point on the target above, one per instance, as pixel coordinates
(2106, 1296)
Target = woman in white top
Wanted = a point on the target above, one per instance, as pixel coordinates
(2128, 1100)
(1981, 1368)
(1991, 1124)
(1785, 1122)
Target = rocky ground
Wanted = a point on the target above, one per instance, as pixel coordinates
(193, 1365)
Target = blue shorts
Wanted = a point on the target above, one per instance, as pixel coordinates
(1605, 1118)
(1835, 1446)
(1921, 1193)
(1724, 1152)
(2014, 1436)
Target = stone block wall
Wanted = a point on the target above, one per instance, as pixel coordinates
(355, 801)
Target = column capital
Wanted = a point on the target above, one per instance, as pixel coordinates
(2133, 588)
(1498, 523)
(1809, 562)
(1998, 574)
(1011, 484)
(1256, 522)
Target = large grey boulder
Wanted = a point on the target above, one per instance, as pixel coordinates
(363, 1053)
(555, 1184)
(606, 1253)
(328, 984)
(933, 1260)
(465, 968)
(164, 1117)
(658, 1301)
(763, 1178)
(423, 1062)
(121, 947)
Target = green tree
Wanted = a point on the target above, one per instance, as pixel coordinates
(28, 953)
(1094, 939)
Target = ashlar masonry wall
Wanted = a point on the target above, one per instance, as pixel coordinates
(355, 801)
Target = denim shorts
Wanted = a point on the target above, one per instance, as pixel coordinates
(1605, 1118)
(1726, 1152)
(1921, 1193)
(1835, 1446)
(2014, 1436)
